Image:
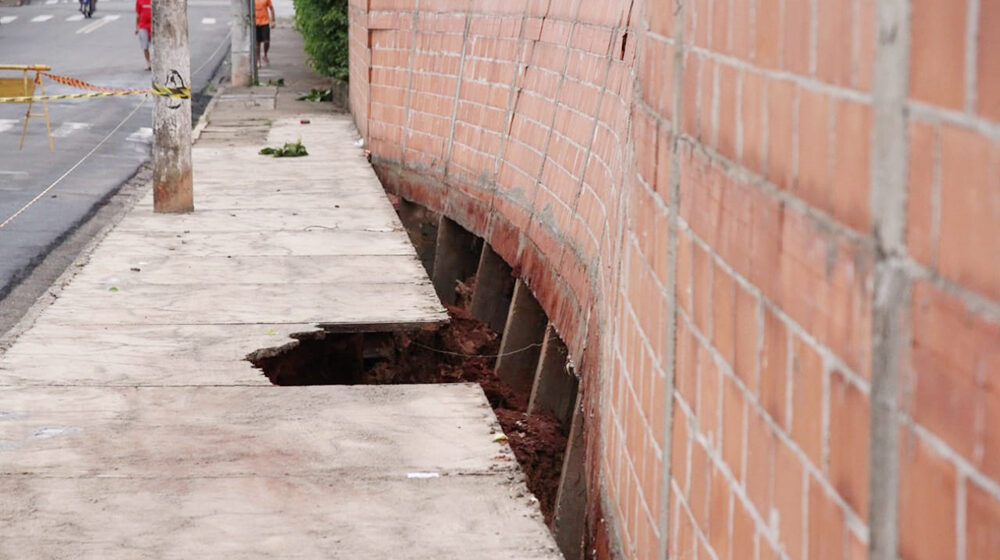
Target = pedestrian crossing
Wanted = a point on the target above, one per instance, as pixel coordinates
(6, 20)
(97, 24)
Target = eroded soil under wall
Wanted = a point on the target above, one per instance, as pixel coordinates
(462, 351)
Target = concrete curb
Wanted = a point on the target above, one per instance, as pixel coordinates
(203, 119)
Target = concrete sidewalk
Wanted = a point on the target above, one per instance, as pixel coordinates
(132, 426)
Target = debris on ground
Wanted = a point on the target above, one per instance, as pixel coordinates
(290, 149)
(317, 95)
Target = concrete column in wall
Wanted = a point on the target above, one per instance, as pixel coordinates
(494, 289)
(554, 390)
(455, 258)
(422, 226)
(571, 498)
(522, 337)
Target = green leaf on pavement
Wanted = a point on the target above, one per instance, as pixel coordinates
(318, 95)
(290, 149)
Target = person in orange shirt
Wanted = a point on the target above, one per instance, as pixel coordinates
(264, 19)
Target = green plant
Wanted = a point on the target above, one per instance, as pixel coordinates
(288, 150)
(280, 82)
(318, 95)
(324, 26)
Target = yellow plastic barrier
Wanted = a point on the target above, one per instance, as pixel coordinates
(24, 86)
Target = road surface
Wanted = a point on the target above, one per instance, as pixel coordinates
(99, 143)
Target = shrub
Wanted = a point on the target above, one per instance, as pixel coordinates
(324, 26)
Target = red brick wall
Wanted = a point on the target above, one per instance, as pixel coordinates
(731, 347)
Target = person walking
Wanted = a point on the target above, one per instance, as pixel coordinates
(144, 25)
(264, 19)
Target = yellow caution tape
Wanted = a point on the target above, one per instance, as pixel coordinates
(157, 89)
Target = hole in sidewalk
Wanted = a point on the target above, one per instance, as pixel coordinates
(464, 350)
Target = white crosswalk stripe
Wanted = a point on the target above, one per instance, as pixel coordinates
(98, 24)
(7, 124)
(41, 18)
(7, 19)
(208, 21)
(143, 136)
(75, 17)
(67, 128)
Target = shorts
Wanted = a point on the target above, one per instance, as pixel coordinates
(264, 33)
(144, 39)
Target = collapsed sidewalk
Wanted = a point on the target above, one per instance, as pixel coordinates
(132, 426)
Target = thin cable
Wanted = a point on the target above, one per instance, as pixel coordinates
(215, 52)
(71, 169)
(512, 352)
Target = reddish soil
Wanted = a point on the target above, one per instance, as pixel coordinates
(464, 351)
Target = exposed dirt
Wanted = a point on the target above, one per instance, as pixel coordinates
(469, 349)
(462, 351)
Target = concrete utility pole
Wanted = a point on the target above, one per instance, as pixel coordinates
(171, 58)
(241, 59)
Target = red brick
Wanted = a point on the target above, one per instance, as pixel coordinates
(927, 487)
(718, 510)
(781, 132)
(742, 543)
(826, 525)
(920, 196)
(689, 105)
(687, 364)
(982, 520)
(661, 18)
(833, 42)
(766, 551)
(807, 400)
(953, 397)
(709, 395)
(852, 154)
(774, 367)
(760, 462)
(706, 85)
(752, 116)
(788, 484)
(683, 543)
(684, 265)
(698, 493)
(815, 173)
(849, 440)
(746, 352)
(988, 61)
(723, 313)
(701, 30)
(797, 27)
(679, 447)
(768, 33)
(937, 55)
(726, 143)
(867, 33)
(743, 39)
(732, 426)
(720, 26)
(702, 289)
(857, 549)
(970, 210)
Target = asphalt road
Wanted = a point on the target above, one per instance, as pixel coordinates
(99, 143)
